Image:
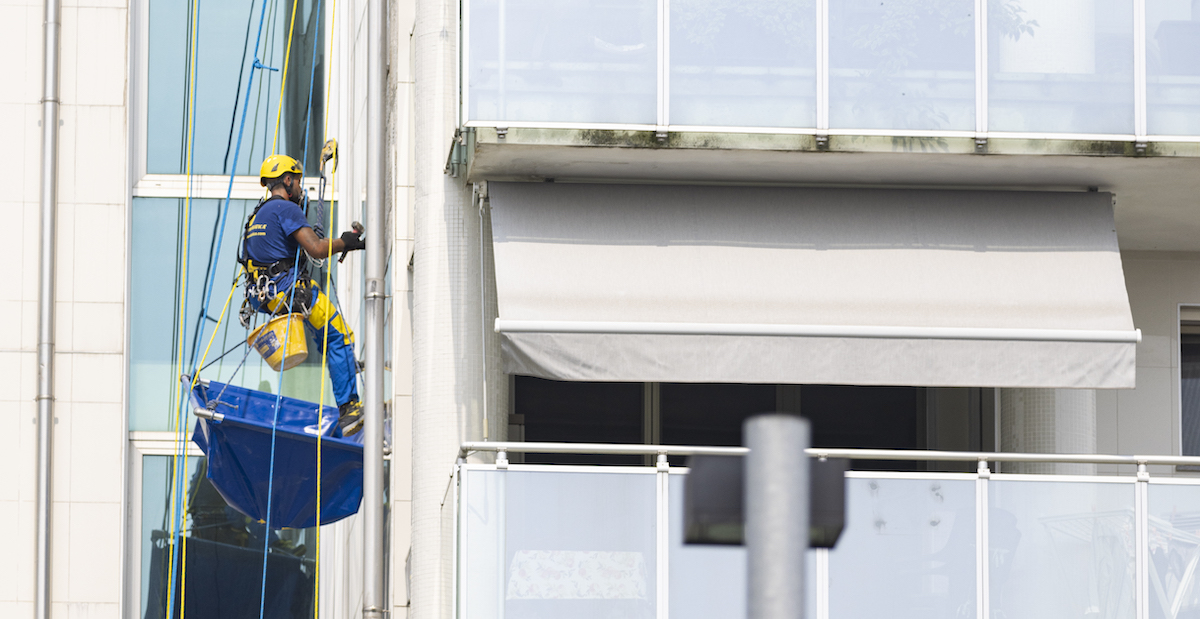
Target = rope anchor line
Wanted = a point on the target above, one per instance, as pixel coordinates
(176, 594)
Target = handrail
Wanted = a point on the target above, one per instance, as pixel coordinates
(469, 447)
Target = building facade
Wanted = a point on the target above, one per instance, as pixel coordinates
(958, 225)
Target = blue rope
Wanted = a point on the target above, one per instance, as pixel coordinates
(262, 596)
(180, 475)
(229, 190)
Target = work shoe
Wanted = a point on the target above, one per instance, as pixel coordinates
(350, 417)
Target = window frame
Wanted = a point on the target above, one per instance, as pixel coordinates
(142, 444)
(203, 186)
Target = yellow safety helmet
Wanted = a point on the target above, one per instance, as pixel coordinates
(276, 166)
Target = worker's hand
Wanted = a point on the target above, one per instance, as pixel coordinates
(353, 240)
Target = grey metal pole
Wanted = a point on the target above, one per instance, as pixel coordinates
(375, 265)
(46, 270)
(776, 514)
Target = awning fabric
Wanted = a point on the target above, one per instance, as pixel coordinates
(810, 286)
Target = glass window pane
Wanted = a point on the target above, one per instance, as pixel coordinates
(1189, 389)
(1173, 67)
(1060, 549)
(563, 61)
(1174, 551)
(155, 309)
(710, 414)
(578, 412)
(743, 63)
(225, 51)
(902, 65)
(1061, 66)
(911, 544)
(224, 553)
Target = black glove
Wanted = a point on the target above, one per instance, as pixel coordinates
(353, 240)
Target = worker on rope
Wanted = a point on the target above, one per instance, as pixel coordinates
(274, 231)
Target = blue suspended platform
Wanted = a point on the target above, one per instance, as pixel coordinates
(234, 430)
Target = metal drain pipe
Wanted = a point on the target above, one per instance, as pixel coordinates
(374, 265)
(51, 28)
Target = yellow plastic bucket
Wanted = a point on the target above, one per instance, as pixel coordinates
(267, 341)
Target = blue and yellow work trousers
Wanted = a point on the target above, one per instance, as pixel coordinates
(338, 346)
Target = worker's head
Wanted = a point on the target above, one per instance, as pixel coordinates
(282, 171)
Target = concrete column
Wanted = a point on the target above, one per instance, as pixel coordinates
(1048, 421)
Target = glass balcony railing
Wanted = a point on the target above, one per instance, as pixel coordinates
(1086, 69)
(543, 541)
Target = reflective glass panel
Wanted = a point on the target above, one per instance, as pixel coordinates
(908, 550)
(563, 61)
(156, 309)
(226, 38)
(1174, 551)
(743, 63)
(1061, 549)
(903, 64)
(224, 553)
(1060, 66)
(1173, 67)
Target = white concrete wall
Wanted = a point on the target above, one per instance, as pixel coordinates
(90, 433)
(401, 193)
(1145, 420)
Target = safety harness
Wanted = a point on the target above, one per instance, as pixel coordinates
(262, 279)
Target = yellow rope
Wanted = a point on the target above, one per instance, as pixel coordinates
(325, 350)
(287, 55)
(179, 422)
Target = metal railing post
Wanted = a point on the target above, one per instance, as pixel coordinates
(1141, 525)
(983, 604)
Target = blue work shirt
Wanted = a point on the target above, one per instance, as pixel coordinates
(269, 236)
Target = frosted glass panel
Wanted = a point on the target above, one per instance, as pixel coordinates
(563, 61)
(706, 581)
(1061, 550)
(574, 545)
(910, 544)
(709, 582)
(1174, 551)
(902, 65)
(746, 63)
(481, 544)
(1063, 66)
(1173, 67)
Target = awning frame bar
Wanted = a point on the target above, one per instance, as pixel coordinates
(840, 331)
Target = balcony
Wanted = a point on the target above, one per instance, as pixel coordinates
(539, 541)
(1058, 95)
(1107, 70)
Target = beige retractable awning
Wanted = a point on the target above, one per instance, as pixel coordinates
(809, 286)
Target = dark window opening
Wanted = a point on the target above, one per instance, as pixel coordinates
(712, 414)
